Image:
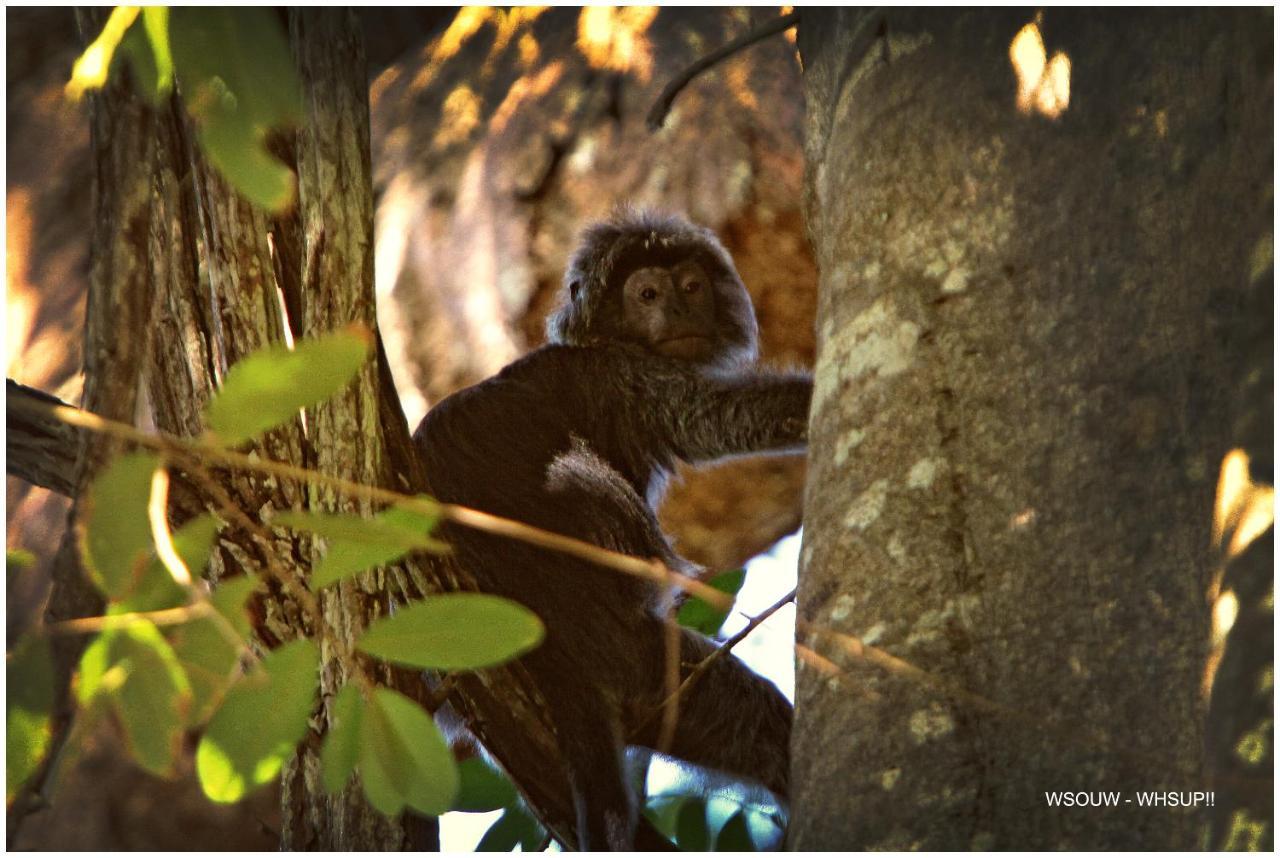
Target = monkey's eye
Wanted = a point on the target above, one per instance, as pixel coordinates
(648, 294)
(691, 285)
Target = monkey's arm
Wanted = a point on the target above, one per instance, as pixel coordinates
(708, 417)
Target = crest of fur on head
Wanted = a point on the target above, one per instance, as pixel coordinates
(631, 239)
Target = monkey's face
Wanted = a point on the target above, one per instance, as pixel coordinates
(672, 310)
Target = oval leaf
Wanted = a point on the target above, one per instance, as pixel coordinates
(514, 828)
(238, 81)
(342, 743)
(27, 705)
(117, 534)
(481, 789)
(209, 648)
(702, 617)
(404, 761)
(156, 589)
(259, 724)
(456, 631)
(139, 675)
(356, 544)
(270, 386)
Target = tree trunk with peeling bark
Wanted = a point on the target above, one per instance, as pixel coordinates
(177, 250)
(1038, 339)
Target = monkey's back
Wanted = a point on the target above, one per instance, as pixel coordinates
(540, 443)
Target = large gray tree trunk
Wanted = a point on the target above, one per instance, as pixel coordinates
(1038, 338)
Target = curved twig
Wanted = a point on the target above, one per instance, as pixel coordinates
(658, 113)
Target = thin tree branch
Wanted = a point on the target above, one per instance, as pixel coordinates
(721, 651)
(651, 569)
(39, 448)
(658, 113)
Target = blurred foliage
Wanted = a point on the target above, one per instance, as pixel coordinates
(234, 72)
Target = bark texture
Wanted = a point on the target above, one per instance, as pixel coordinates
(122, 132)
(1038, 339)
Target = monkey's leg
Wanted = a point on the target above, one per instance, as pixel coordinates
(731, 720)
(591, 744)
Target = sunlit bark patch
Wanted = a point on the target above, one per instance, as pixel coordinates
(1044, 85)
(1243, 509)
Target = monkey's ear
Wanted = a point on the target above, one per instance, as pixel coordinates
(574, 287)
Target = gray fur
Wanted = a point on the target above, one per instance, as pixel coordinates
(579, 437)
(594, 277)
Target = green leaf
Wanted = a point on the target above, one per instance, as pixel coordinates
(18, 558)
(735, 836)
(91, 68)
(702, 617)
(456, 631)
(342, 744)
(210, 648)
(356, 544)
(404, 761)
(155, 22)
(260, 722)
(482, 789)
(136, 46)
(229, 599)
(138, 673)
(692, 834)
(27, 705)
(514, 828)
(239, 82)
(268, 387)
(157, 590)
(117, 534)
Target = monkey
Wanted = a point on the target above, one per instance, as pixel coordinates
(648, 361)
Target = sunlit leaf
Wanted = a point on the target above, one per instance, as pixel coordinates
(270, 386)
(155, 21)
(238, 82)
(700, 616)
(210, 648)
(455, 631)
(139, 674)
(117, 534)
(260, 722)
(27, 705)
(735, 836)
(227, 137)
(342, 743)
(514, 828)
(692, 833)
(482, 789)
(146, 45)
(18, 558)
(90, 69)
(356, 544)
(404, 761)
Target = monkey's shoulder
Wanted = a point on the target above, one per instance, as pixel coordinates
(576, 377)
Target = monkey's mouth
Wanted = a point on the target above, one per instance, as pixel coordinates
(693, 347)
